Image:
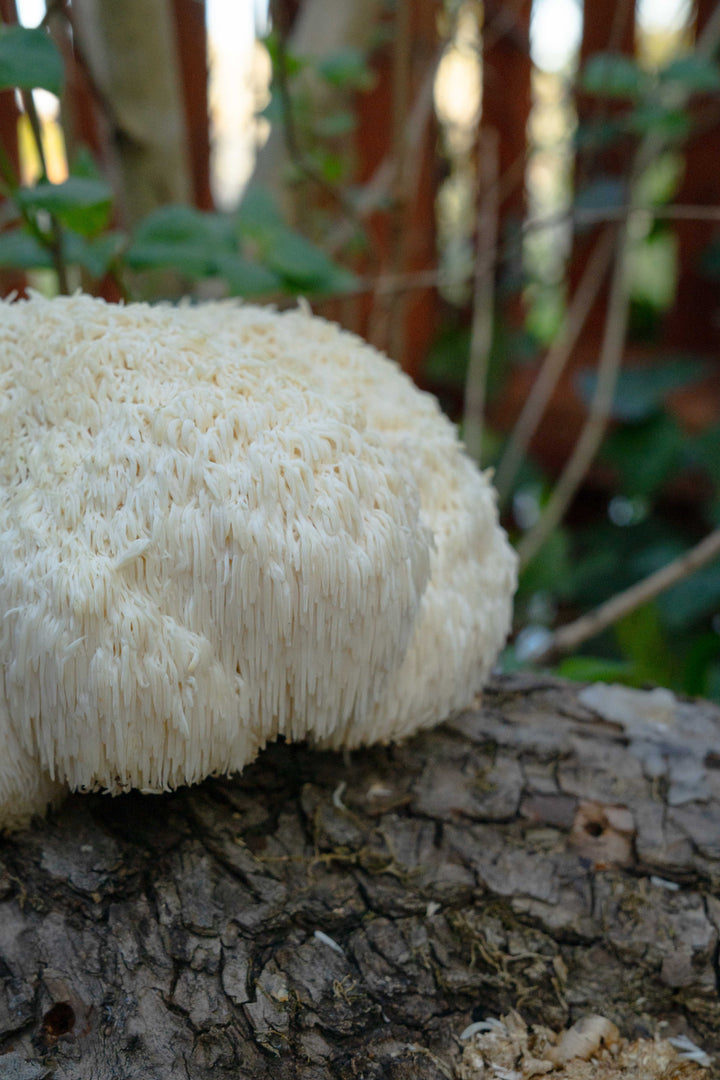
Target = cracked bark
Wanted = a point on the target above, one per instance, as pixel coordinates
(316, 918)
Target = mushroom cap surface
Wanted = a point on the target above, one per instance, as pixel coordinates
(220, 523)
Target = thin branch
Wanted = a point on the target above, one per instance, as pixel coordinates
(605, 215)
(588, 443)
(54, 240)
(613, 343)
(557, 358)
(386, 323)
(10, 184)
(707, 43)
(481, 331)
(574, 634)
(436, 277)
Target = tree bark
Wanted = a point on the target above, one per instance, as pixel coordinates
(131, 52)
(556, 851)
(319, 29)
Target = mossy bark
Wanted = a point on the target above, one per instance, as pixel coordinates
(322, 918)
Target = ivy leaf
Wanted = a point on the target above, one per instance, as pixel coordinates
(93, 255)
(29, 60)
(258, 210)
(181, 238)
(245, 277)
(645, 454)
(180, 224)
(199, 245)
(81, 203)
(298, 264)
(691, 598)
(335, 124)
(19, 251)
(641, 391)
(595, 669)
(652, 118)
(613, 75)
(695, 74)
(302, 266)
(346, 69)
(643, 641)
(604, 193)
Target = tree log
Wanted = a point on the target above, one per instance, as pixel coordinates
(555, 850)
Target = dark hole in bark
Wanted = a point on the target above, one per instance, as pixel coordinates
(594, 828)
(58, 1020)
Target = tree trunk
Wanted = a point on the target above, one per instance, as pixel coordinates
(320, 28)
(556, 851)
(131, 52)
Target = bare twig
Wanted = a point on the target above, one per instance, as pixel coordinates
(557, 357)
(568, 638)
(483, 293)
(588, 443)
(613, 341)
(605, 215)
(386, 322)
(54, 240)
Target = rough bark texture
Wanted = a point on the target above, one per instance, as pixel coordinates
(556, 851)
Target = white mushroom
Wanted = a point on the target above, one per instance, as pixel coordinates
(217, 524)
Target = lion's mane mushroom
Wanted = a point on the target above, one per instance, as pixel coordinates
(217, 524)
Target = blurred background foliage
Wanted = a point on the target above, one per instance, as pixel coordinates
(519, 200)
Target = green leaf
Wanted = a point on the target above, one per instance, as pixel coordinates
(299, 265)
(591, 134)
(84, 164)
(645, 454)
(702, 657)
(703, 452)
(642, 639)
(181, 238)
(346, 69)
(293, 64)
(653, 118)
(595, 669)
(95, 255)
(448, 357)
(302, 266)
(19, 251)
(198, 245)
(246, 278)
(694, 73)
(335, 124)
(29, 60)
(177, 223)
(331, 166)
(81, 203)
(549, 571)
(640, 391)
(258, 211)
(193, 260)
(689, 600)
(652, 272)
(660, 181)
(613, 75)
(605, 193)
